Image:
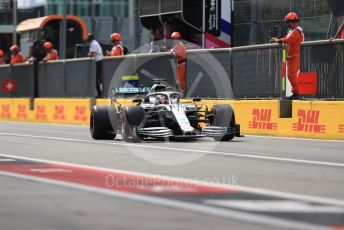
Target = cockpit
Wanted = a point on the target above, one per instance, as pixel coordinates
(162, 98)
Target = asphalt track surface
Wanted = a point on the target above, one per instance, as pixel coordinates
(301, 169)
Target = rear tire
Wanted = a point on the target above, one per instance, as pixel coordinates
(224, 117)
(132, 118)
(102, 122)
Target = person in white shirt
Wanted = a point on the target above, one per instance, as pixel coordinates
(97, 53)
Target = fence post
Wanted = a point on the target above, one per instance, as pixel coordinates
(284, 71)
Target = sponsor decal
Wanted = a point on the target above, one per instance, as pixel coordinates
(9, 86)
(262, 120)
(59, 113)
(80, 113)
(308, 83)
(308, 121)
(341, 128)
(22, 114)
(40, 112)
(5, 112)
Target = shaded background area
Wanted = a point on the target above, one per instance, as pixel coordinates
(256, 20)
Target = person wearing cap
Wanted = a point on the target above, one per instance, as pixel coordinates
(293, 42)
(51, 52)
(117, 49)
(16, 56)
(96, 52)
(180, 52)
(2, 57)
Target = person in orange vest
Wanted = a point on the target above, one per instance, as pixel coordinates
(117, 49)
(293, 42)
(180, 52)
(16, 56)
(51, 52)
(2, 57)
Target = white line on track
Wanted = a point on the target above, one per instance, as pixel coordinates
(294, 138)
(228, 154)
(199, 208)
(285, 195)
(248, 135)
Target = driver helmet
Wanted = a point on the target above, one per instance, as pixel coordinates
(160, 99)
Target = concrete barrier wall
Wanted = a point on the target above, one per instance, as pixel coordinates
(60, 111)
(310, 119)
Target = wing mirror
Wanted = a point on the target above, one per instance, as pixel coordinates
(196, 99)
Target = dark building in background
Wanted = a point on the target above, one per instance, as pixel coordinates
(25, 11)
(256, 20)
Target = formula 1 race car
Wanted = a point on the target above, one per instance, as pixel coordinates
(161, 115)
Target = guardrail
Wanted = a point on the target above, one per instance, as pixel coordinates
(327, 59)
(17, 80)
(242, 72)
(67, 78)
(146, 66)
(257, 71)
(208, 73)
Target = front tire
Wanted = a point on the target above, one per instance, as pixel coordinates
(132, 118)
(102, 122)
(223, 115)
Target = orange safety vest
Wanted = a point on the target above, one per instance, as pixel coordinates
(180, 50)
(117, 50)
(18, 58)
(293, 41)
(52, 55)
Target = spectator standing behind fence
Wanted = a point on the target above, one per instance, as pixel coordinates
(179, 50)
(117, 49)
(16, 56)
(37, 52)
(51, 52)
(97, 53)
(2, 57)
(293, 42)
(340, 32)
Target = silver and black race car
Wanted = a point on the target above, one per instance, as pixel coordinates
(161, 115)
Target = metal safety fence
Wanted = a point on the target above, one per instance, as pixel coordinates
(327, 59)
(67, 78)
(241, 72)
(17, 81)
(147, 67)
(257, 71)
(208, 73)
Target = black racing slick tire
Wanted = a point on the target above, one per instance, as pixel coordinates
(102, 122)
(132, 118)
(223, 115)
